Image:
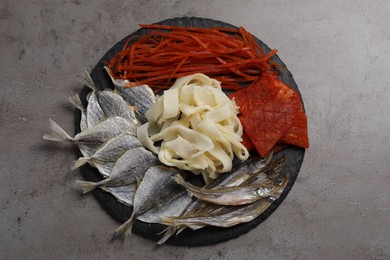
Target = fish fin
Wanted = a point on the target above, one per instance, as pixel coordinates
(122, 83)
(87, 80)
(76, 102)
(180, 230)
(86, 186)
(104, 188)
(180, 180)
(168, 221)
(80, 162)
(164, 231)
(122, 231)
(58, 134)
(168, 233)
(109, 72)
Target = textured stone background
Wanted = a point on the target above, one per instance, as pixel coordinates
(338, 52)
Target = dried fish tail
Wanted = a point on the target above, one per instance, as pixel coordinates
(167, 233)
(87, 186)
(169, 221)
(122, 231)
(87, 80)
(80, 162)
(76, 102)
(58, 134)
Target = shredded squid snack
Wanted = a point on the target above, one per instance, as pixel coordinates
(195, 126)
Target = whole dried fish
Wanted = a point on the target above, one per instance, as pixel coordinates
(111, 103)
(140, 96)
(97, 134)
(230, 196)
(228, 216)
(129, 168)
(236, 177)
(106, 156)
(156, 187)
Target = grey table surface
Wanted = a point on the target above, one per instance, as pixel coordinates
(338, 52)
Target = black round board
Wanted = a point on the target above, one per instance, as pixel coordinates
(204, 236)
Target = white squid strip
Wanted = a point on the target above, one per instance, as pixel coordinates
(196, 126)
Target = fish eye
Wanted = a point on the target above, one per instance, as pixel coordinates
(279, 182)
(271, 187)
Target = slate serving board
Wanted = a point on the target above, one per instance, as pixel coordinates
(204, 236)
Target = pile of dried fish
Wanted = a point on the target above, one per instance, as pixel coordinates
(157, 193)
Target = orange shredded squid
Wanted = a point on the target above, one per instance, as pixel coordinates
(229, 55)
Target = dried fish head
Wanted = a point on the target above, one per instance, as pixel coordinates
(142, 97)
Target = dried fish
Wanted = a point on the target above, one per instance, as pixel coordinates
(106, 156)
(239, 175)
(230, 196)
(273, 168)
(140, 96)
(228, 216)
(97, 134)
(236, 177)
(129, 168)
(111, 103)
(156, 187)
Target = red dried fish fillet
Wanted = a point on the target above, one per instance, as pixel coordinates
(267, 123)
(271, 113)
(260, 91)
(297, 133)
